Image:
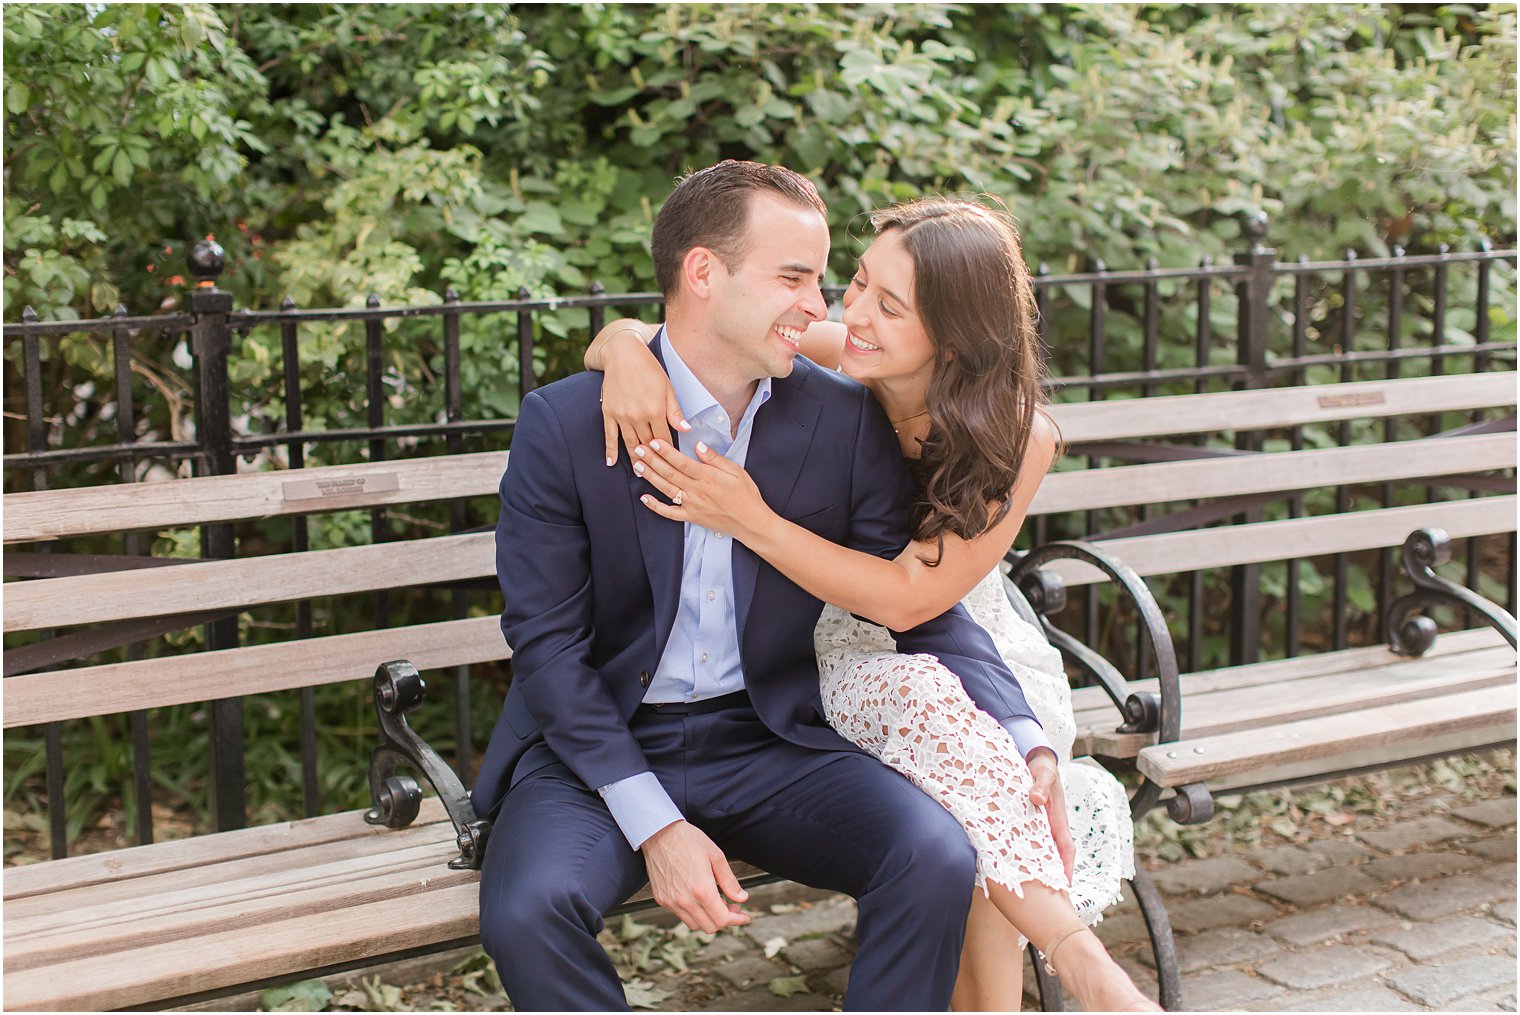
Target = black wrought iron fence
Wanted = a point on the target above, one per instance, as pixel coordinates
(1252, 323)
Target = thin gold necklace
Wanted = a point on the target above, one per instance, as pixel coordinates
(897, 423)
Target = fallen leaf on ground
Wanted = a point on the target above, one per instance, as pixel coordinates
(786, 986)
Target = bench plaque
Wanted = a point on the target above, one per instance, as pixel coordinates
(1345, 401)
(346, 486)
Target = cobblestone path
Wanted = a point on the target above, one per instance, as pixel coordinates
(1415, 915)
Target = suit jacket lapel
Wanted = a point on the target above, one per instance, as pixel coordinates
(783, 431)
(661, 541)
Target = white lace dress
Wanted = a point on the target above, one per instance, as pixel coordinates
(913, 714)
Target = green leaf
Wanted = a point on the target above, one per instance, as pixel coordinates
(308, 995)
(786, 986)
(541, 217)
(121, 167)
(18, 98)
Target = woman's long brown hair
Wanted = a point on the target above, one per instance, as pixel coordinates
(975, 300)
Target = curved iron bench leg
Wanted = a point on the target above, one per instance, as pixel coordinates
(1163, 943)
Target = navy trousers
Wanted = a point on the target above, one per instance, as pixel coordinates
(556, 861)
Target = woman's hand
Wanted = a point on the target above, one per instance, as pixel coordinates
(638, 402)
(712, 492)
(1048, 794)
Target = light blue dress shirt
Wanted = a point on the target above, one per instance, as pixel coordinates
(701, 658)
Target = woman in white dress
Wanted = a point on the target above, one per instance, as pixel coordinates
(939, 322)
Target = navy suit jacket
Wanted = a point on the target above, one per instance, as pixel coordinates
(591, 577)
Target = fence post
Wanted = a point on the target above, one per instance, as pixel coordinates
(211, 344)
(1252, 292)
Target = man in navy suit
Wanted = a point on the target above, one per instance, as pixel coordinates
(664, 712)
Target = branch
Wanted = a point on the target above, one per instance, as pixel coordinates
(323, 44)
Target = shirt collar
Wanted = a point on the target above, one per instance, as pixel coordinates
(691, 394)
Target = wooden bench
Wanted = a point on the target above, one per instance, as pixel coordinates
(178, 921)
(1324, 714)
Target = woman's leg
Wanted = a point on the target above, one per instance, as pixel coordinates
(992, 962)
(914, 715)
(1046, 918)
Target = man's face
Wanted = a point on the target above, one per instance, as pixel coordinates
(761, 307)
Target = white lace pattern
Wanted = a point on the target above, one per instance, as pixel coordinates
(914, 714)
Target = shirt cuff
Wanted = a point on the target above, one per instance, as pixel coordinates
(640, 806)
(1028, 735)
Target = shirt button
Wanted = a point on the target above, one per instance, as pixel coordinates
(711, 596)
(717, 535)
(704, 657)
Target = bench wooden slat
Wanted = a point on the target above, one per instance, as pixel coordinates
(221, 880)
(1093, 702)
(1096, 717)
(1383, 755)
(183, 911)
(250, 581)
(1250, 708)
(1263, 473)
(1267, 408)
(1259, 542)
(50, 514)
(139, 976)
(256, 669)
(77, 872)
(1204, 758)
(221, 584)
(278, 896)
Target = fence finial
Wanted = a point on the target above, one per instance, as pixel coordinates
(1254, 227)
(206, 260)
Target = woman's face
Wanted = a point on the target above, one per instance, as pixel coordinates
(887, 340)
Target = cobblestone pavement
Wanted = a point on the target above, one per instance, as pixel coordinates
(1411, 909)
(1415, 915)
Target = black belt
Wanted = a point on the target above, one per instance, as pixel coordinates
(738, 699)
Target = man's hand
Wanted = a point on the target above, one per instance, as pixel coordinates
(687, 872)
(1048, 793)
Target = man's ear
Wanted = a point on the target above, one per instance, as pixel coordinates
(698, 269)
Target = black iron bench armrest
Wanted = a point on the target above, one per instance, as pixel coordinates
(399, 688)
(1407, 631)
(1143, 711)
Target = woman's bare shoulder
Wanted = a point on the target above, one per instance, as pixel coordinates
(1040, 452)
(1044, 437)
(823, 342)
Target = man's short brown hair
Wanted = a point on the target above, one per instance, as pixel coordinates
(710, 208)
